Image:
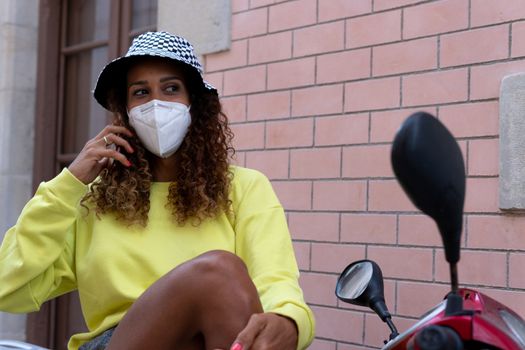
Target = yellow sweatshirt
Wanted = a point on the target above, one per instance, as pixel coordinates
(55, 248)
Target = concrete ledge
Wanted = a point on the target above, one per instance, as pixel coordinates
(512, 143)
(206, 24)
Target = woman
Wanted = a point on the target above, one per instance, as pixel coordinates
(169, 246)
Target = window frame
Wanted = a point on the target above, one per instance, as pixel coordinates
(50, 327)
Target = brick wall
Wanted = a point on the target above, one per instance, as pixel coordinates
(315, 90)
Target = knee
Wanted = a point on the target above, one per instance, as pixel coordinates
(225, 284)
(215, 280)
(219, 264)
(224, 273)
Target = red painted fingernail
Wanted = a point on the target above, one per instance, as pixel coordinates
(236, 346)
(128, 163)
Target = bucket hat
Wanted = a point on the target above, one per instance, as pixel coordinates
(158, 44)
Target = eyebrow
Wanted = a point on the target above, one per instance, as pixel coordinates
(143, 82)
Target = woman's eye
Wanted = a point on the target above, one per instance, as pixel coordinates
(139, 92)
(172, 88)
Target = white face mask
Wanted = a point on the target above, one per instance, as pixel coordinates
(161, 125)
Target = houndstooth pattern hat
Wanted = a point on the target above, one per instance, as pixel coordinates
(160, 44)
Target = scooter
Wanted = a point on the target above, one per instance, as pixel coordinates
(428, 164)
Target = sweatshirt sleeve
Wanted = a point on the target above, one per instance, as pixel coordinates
(37, 254)
(264, 243)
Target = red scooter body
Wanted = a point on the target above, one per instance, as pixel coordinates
(481, 324)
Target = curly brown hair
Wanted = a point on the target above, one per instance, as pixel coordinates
(203, 177)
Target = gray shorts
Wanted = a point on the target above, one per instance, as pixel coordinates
(98, 343)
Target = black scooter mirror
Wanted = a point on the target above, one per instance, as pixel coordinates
(361, 283)
(353, 282)
(428, 164)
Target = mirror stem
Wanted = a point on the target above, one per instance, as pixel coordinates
(393, 328)
(454, 300)
(454, 277)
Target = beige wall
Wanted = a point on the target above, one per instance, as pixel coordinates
(18, 47)
(206, 24)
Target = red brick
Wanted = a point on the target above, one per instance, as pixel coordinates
(234, 108)
(329, 257)
(304, 13)
(319, 344)
(239, 158)
(376, 331)
(368, 228)
(314, 226)
(471, 119)
(302, 255)
(435, 87)
(342, 346)
(414, 299)
(248, 136)
(367, 161)
(483, 157)
(386, 28)
(339, 195)
(317, 100)
(335, 323)
(315, 163)
(244, 80)
(341, 66)
(372, 94)
(273, 164)
(321, 38)
(387, 195)
(518, 39)
(259, 3)
(481, 195)
(271, 47)
(249, 23)
(384, 125)
(335, 9)
(292, 73)
(516, 275)
(239, 5)
(236, 56)
(463, 147)
(347, 129)
(485, 80)
(474, 46)
(435, 17)
(496, 232)
(485, 12)
(318, 288)
(418, 230)
(290, 133)
(269, 105)
(215, 79)
(380, 5)
(407, 56)
(294, 195)
(407, 263)
(476, 268)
